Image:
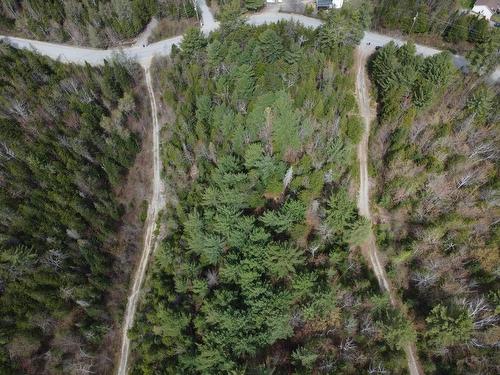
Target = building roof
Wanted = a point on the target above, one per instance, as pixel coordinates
(324, 2)
(492, 4)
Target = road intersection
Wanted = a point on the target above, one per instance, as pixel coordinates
(144, 53)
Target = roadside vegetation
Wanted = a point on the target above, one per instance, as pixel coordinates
(68, 136)
(447, 24)
(435, 161)
(168, 28)
(243, 5)
(101, 23)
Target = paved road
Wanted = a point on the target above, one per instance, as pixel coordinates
(80, 55)
(208, 22)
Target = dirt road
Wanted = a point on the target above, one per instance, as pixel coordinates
(142, 38)
(369, 248)
(149, 237)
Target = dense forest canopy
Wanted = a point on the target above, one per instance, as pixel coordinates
(68, 135)
(435, 159)
(259, 270)
(98, 23)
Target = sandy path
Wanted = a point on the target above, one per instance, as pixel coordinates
(369, 248)
(149, 238)
(142, 38)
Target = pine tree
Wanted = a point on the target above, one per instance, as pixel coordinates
(193, 41)
(254, 4)
(271, 46)
(448, 328)
(459, 30)
(484, 57)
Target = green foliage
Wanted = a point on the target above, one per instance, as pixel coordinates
(281, 260)
(429, 235)
(481, 104)
(448, 328)
(342, 28)
(398, 331)
(484, 57)
(192, 42)
(251, 160)
(270, 45)
(95, 23)
(479, 30)
(304, 358)
(66, 144)
(415, 16)
(343, 219)
(359, 231)
(459, 30)
(254, 4)
(444, 18)
(407, 82)
(280, 221)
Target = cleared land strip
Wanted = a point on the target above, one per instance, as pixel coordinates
(149, 237)
(369, 248)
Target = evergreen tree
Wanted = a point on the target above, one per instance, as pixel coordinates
(270, 44)
(447, 329)
(254, 4)
(459, 29)
(484, 57)
(193, 41)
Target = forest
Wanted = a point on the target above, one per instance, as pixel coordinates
(68, 136)
(259, 269)
(435, 159)
(102, 23)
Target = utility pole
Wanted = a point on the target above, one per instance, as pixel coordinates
(413, 24)
(195, 4)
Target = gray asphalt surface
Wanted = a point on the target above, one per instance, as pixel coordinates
(143, 55)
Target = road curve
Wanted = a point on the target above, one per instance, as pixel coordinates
(149, 237)
(81, 55)
(369, 248)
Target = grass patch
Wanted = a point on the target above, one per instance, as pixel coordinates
(144, 211)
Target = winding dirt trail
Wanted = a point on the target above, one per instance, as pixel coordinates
(149, 237)
(369, 248)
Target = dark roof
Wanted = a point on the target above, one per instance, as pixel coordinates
(323, 3)
(492, 4)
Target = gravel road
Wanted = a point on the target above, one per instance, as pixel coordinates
(369, 248)
(80, 55)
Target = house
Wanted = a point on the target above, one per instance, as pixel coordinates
(486, 8)
(329, 4)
